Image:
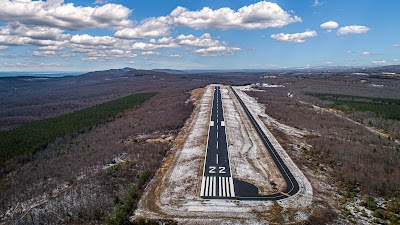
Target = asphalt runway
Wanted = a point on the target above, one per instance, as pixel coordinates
(217, 180)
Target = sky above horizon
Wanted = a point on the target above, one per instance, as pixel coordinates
(87, 35)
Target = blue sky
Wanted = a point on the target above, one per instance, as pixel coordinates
(91, 35)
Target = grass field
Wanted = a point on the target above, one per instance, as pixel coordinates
(384, 107)
(29, 138)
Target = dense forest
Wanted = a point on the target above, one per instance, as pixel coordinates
(27, 139)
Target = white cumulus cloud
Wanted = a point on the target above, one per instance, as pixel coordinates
(56, 13)
(204, 40)
(255, 16)
(353, 30)
(294, 38)
(217, 51)
(13, 40)
(109, 54)
(150, 27)
(379, 62)
(30, 64)
(365, 53)
(19, 34)
(175, 56)
(86, 39)
(44, 54)
(51, 48)
(34, 32)
(20, 40)
(151, 53)
(93, 59)
(329, 25)
(163, 41)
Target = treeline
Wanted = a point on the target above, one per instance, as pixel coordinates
(28, 139)
(384, 107)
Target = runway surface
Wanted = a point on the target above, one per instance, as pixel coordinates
(217, 180)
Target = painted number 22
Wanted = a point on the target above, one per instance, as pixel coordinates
(213, 168)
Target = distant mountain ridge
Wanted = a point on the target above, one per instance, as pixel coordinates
(127, 71)
(388, 68)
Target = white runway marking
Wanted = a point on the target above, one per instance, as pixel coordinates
(203, 183)
(211, 185)
(206, 192)
(232, 187)
(215, 187)
(219, 190)
(211, 123)
(225, 187)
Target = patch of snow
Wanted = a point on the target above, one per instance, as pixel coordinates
(377, 85)
(117, 159)
(266, 85)
(304, 197)
(174, 193)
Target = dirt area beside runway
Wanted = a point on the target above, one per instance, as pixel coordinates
(174, 192)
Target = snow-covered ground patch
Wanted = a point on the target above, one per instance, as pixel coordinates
(304, 197)
(174, 193)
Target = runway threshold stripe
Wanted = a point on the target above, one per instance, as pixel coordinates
(215, 186)
(232, 187)
(210, 188)
(207, 183)
(203, 181)
(219, 187)
(227, 187)
(223, 187)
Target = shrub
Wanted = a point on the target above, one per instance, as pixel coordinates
(369, 203)
(124, 208)
(379, 214)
